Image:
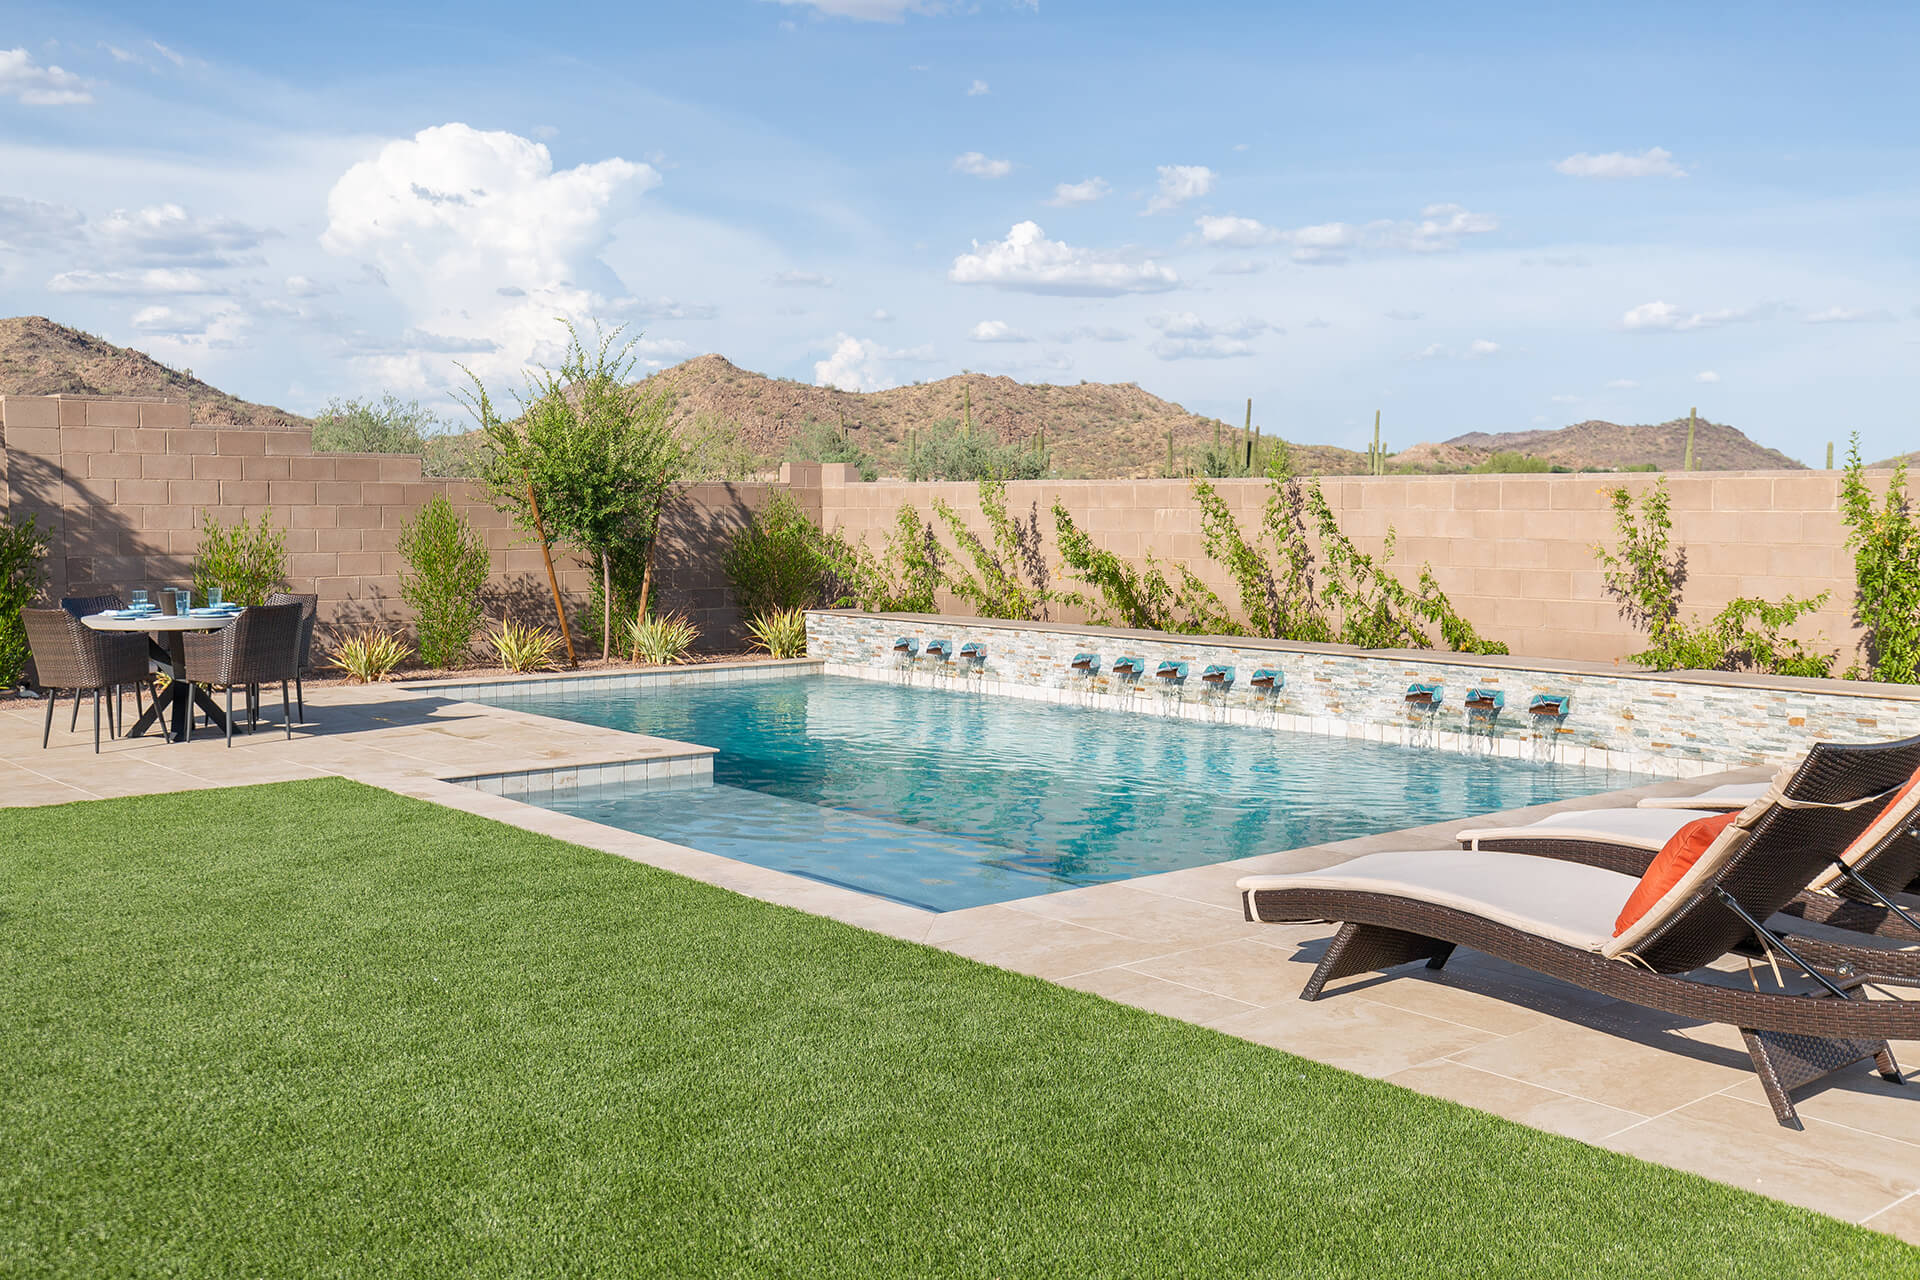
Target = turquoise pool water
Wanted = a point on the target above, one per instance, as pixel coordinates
(952, 799)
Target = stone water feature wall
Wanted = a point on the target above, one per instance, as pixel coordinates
(1672, 724)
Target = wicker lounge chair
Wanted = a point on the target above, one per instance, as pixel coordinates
(85, 606)
(1728, 795)
(1859, 891)
(309, 602)
(260, 646)
(1558, 918)
(68, 657)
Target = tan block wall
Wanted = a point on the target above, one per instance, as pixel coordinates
(122, 484)
(1514, 553)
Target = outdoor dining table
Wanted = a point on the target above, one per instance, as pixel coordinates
(172, 659)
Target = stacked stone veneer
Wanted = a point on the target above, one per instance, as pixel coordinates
(121, 487)
(1673, 725)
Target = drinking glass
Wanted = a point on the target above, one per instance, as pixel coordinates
(139, 597)
(213, 597)
(183, 601)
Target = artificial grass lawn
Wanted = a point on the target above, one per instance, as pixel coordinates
(319, 1029)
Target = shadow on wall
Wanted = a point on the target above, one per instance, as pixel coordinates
(694, 532)
(521, 597)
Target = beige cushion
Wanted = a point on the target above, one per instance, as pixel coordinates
(1648, 829)
(1729, 795)
(1563, 901)
(1729, 842)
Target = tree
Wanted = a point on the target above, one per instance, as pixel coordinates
(591, 456)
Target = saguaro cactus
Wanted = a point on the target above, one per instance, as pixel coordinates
(1690, 418)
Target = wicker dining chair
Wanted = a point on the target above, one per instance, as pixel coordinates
(86, 606)
(260, 646)
(309, 602)
(69, 657)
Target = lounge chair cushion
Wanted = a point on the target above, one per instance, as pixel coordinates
(1566, 902)
(1674, 860)
(1898, 813)
(1648, 829)
(1728, 795)
(1712, 860)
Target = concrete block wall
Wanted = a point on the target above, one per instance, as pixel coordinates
(1514, 553)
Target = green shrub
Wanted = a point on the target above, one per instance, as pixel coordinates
(821, 442)
(944, 452)
(782, 633)
(446, 572)
(905, 576)
(777, 561)
(1011, 579)
(1141, 598)
(1510, 462)
(247, 562)
(1648, 575)
(394, 426)
(522, 648)
(663, 640)
(369, 656)
(23, 553)
(1886, 572)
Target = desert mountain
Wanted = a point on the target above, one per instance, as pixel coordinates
(1092, 429)
(1613, 447)
(41, 358)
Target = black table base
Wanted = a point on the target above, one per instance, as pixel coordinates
(172, 701)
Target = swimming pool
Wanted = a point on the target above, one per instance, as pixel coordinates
(951, 799)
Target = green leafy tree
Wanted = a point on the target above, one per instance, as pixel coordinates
(905, 576)
(1885, 542)
(247, 562)
(600, 454)
(23, 554)
(446, 573)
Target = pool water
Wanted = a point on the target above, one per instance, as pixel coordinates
(952, 799)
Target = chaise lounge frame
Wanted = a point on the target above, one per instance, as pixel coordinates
(1792, 1039)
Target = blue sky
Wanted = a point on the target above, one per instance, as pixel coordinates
(1472, 217)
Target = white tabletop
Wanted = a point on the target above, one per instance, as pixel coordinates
(157, 622)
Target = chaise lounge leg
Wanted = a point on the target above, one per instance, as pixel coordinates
(1785, 1061)
(1369, 948)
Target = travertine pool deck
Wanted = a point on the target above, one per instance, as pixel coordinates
(1480, 1032)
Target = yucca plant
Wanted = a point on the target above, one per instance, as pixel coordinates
(369, 656)
(781, 632)
(523, 648)
(660, 641)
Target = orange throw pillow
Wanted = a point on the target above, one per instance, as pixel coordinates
(1674, 860)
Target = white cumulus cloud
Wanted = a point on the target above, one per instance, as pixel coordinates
(866, 10)
(860, 364)
(1848, 315)
(1654, 162)
(455, 218)
(996, 331)
(32, 85)
(136, 283)
(1185, 336)
(1706, 375)
(1664, 317)
(1029, 262)
(1623, 384)
(168, 233)
(1481, 348)
(1091, 333)
(1438, 228)
(979, 165)
(1066, 194)
(37, 224)
(978, 89)
(1178, 184)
